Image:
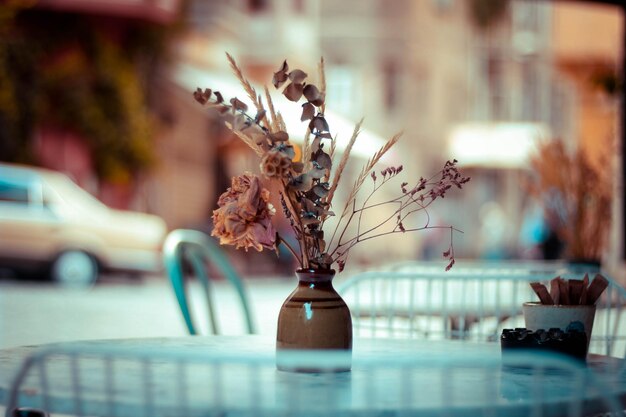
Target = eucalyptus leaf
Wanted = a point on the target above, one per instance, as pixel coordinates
(293, 91)
(309, 206)
(302, 182)
(281, 76)
(320, 191)
(316, 145)
(308, 111)
(297, 76)
(284, 67)
(319, 101)
(317, 173)
(311, 93)
(319, 123)
(323, 160)
(288, 150)
(307, 220)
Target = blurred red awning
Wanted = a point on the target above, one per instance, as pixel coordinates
(156, 11)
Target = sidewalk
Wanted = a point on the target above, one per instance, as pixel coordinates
(36, 313)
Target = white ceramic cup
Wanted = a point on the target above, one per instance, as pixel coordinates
(542, 316)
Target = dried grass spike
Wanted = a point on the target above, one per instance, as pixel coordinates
(272, 126)
(250, 91)
(344, 161)
(322, 87)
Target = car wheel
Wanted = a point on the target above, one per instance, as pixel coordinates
(74, 268)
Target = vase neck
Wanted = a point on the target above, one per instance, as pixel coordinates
(315, 275)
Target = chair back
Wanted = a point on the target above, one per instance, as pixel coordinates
(111, 381)
(471, 303)
(198, 250)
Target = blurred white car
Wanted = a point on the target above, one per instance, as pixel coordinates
(46, 220)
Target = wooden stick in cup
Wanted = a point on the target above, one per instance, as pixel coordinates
(583, 295)
(575, 290)
(554, 290)
(596, 288)
(542, 293)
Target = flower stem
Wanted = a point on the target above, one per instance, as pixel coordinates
(288, 246)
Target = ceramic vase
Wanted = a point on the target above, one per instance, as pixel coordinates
(314, 317)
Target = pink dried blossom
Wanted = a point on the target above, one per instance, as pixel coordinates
(243, 218)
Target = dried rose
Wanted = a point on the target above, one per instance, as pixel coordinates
(243, 216)
(275, 164)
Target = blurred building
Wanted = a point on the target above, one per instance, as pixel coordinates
(481, 81)
(477, 80)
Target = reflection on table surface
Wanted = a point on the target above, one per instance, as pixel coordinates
(203, 375)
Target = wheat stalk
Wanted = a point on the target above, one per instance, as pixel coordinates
(247, 87)
(270, 105)
(322, 75)
(344, 161)
(246, 139)
(306, 147)
(280, 122)
(366, 170)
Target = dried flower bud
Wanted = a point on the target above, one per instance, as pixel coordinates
(275, 164)
(202, 97)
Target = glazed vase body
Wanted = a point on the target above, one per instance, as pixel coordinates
(314, 316)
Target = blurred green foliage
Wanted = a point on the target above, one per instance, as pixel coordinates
(65, 70)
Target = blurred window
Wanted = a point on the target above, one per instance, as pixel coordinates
(13, 193)
(530, 97)
(341, 86)
(494, 69)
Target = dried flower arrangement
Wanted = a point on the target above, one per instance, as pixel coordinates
(576, 196)
(244, 214)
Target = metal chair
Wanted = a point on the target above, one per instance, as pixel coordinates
(473, 302)
(198, 249)
(105, 380)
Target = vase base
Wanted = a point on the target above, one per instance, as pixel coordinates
(314, 361)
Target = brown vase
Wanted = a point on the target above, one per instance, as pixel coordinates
(314, 317)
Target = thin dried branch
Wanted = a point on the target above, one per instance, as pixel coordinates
(366, 171)
(333, 148)
(344, 161)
